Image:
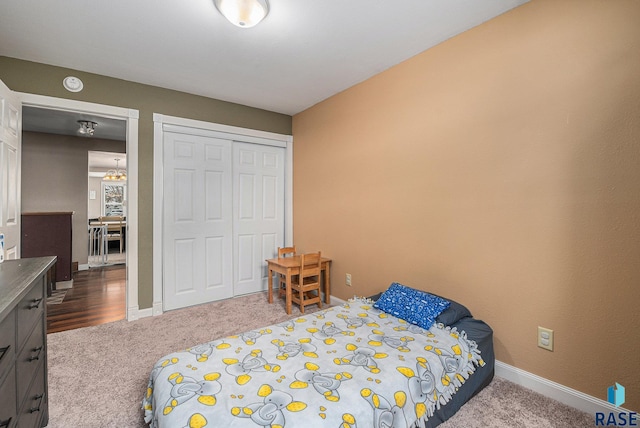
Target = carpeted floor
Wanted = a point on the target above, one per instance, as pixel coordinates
(98, 375)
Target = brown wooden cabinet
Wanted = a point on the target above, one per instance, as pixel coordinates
(49, 234)
(23, 343)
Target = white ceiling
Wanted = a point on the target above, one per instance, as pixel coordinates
(102, 161)
(302, 53)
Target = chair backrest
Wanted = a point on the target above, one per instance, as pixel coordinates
(113, 223)
(310, 266)
(286, 251)
(111, 218)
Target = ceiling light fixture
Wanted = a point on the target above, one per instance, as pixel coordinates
(243, 13)
(115, 174)
(87, 127)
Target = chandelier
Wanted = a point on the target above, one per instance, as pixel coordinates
(115, 174)
(87, 127)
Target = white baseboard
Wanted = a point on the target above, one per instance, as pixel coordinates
(336, 301)
(135, 313)
(157, 309)
(556, 391)
(64, 285)
(144, 313)
(83, 267)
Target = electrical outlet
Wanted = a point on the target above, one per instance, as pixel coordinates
(348, 280)
(545, 338)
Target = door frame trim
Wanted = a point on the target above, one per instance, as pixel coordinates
(162, 123)
(131, 117)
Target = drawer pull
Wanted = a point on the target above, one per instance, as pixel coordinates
(35, 303)
(37, 409)
(5, 424)
(3, 352)
(37, 356)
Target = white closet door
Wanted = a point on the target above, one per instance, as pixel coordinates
(10, 158)
(197, 223)
(258, 207)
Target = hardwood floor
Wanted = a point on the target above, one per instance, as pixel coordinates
(98, 296)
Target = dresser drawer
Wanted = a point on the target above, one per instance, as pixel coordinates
(29, 311)
(8, 415)
(7, 343)
(29, 360)
(35, 404)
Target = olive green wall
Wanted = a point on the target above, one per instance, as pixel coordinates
(41, 79)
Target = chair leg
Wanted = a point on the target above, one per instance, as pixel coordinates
(282, 286)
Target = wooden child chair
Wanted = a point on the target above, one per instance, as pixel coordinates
(283, 252)
(305, 288)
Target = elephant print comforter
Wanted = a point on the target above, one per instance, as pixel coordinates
(346, 366)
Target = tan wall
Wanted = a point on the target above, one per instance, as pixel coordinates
(500, 168)
(55, 171)
(31, 77)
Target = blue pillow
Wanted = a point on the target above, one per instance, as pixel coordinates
(415, 306)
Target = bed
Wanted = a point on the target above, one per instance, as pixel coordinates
(362, 364)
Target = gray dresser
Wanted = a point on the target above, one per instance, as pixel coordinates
(23, 342)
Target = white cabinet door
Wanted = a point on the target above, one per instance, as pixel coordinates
(10, 158)
(197, 223)
(258, 207)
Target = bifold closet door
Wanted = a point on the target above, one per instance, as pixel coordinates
(197, 220)
(258, 205)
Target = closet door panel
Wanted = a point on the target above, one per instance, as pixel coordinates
(258, 212)
(197, 220)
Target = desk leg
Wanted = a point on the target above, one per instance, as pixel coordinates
(327, 284)
(288, 293)
(270, 286)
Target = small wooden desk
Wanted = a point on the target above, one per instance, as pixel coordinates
(289, 266)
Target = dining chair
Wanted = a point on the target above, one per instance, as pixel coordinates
(305, 289)
(283, 252)
(114, 229)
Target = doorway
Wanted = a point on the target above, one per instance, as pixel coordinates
(107, 208)
(130, 119)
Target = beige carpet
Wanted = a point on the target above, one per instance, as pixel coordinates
(98, 375)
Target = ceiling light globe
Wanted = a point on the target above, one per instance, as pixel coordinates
(243, 13)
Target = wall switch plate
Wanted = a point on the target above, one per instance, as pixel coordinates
(348, 280)
(545, 338)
